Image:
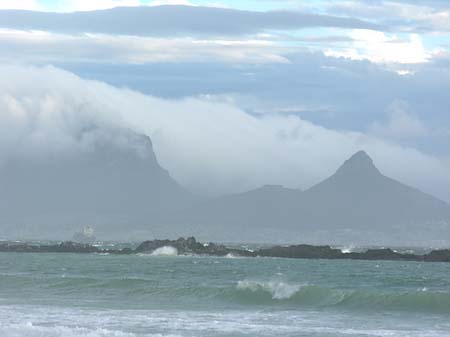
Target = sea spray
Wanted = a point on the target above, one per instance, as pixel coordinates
(316, 296)
(165, 251)
(279, 290)
(126, 295)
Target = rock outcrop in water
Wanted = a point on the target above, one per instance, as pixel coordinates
(184, 247)
(63, 247)
(191, 246)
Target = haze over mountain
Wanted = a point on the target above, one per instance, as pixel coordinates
(116, 185)
(356, 204)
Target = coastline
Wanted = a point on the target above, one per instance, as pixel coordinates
(191, 246)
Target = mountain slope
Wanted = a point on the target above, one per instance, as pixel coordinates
(359, 194)
(357, 203)
(116, 181)
(269, 204)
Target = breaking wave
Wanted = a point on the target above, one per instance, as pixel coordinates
(421, 300)
(30, 330)
(278, 290)
(246, 292)
(165, 251)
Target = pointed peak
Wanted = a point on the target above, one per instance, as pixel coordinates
(359, 163)
(361, 156)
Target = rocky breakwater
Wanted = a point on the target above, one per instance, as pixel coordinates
(190, 246)
(63, 247)
(327, 252)
(302, 252)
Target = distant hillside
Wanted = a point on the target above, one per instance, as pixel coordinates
(356, 204)
(117, 186)
(117, 182)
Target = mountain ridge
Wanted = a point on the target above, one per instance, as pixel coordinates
(118, 186)
(115, 181)
(356, 203)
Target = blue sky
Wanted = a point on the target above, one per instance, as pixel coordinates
(372, 70)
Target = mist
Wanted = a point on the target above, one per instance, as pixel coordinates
(212, 147)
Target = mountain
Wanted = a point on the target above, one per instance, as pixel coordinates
(359, 194)
(114, 183)
(269, 205)
(356, 204)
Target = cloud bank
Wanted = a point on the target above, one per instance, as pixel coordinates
(173, 20)
(209, 146)
(32, 47)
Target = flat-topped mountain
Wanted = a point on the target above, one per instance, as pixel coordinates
(115, 182)
(117, 185)
(357, 203)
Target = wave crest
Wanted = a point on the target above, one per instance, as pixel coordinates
(422, 300)
(278, 290)
(165, 251)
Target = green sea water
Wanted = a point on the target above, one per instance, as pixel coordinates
(142, 295)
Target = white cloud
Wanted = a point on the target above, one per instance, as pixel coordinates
(20, 4)
(90, 5)
(438, 20)
(34, 46)
(170, 2)
(408, 16)
(67, 5)
(208, 146)
(401, 124)
(379, 47)
(44, 118)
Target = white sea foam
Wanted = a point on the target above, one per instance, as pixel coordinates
(348, 249)
(30, 330)
(232, 256)
(47, 321)
(278, 289)
(165, 251)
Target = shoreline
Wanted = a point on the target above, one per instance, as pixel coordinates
(191, 246)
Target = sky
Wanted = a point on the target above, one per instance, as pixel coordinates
(237, 94)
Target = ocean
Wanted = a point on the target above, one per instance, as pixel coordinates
(93, 295)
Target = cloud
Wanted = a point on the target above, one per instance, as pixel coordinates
(66, 5)
(334, 92)
(419, 16)
(89, 5)
(170, 2)
(33, 46)
(44, 119)
(22, 4)
(209, 146)
(379, 47)
(401, 124)
(173, 20)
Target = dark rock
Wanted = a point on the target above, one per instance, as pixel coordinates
(438, 256)
(378, 254)
(63, 247)
(302, 252)
(191, 246)
(72, 247)
(126, 251)
(184, 246)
